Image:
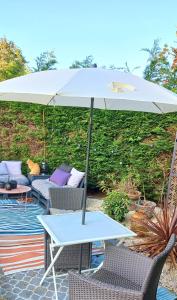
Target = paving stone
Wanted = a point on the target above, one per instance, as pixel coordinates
(31, 287)
(34, 297)
(16, 290)
(40, 290)
(25, 294)
(21, 284)
(49, 294)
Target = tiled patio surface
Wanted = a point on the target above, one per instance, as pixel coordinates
(25, 285)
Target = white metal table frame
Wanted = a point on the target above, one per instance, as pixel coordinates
(66, 229)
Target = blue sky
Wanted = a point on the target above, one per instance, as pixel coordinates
(113, 31)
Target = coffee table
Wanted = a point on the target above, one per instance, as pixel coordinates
(20, 190)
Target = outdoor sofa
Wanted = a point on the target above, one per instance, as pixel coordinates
(12, 170)
(41, 187)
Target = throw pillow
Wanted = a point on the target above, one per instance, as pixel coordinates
(13, 167)
(65, 168)
(76, 177)
(60, 177)
(3, 169)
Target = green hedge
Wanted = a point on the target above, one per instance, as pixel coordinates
(122, 141)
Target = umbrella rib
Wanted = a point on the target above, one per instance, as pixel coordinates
(105, 103)
(158, 107)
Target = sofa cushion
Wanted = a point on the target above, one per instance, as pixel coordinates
(13, 167)
(3, 169)
(43, 185)
(60, 177)
(75, 179)
(56, 211)
(21, 179)
(4, 178)
(65, 167)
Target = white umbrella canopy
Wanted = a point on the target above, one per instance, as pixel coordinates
(89, 87)
(111, 89)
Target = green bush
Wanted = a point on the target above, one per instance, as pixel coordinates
(121, 141)
(116, 205)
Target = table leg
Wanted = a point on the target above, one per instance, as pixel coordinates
(51, 264)
(53, 271)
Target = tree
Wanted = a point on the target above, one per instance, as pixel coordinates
(12, 62)
(45, 61)
(162, 66)
(88, 62)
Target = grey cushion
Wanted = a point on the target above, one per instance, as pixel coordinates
(65, 168)
(21, 179)
(4, 178)
(56, 211)
(43, 185)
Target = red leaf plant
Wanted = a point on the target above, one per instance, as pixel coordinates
(157, 232)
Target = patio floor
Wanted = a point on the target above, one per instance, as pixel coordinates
(25, 285)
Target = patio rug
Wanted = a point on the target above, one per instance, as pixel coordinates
(21, 236)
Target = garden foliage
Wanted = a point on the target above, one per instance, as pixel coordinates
(122, 141)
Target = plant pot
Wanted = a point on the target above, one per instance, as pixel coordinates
(8, 186)
(145, 207)
(136, 226)
(134, 196)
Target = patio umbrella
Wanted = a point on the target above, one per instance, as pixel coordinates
(89, 87)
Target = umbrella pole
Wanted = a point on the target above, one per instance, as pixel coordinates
(87, 160)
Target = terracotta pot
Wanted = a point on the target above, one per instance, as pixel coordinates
(145, 207)
(135, 224)
(134, 196)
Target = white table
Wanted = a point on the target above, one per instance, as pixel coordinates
(66, 229)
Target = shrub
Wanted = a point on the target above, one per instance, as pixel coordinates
(116, 205)
(158, 232)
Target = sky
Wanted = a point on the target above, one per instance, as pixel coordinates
(112, 31)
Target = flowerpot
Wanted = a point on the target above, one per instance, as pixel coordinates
(134, 196)
(136, 225)
(8, 186)
(145, 207)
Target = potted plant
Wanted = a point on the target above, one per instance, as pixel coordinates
(158, 231)
(145, 207)
(128, 185)
(116, 205)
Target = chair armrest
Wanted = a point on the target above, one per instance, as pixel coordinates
(82, 287)
(126, 263)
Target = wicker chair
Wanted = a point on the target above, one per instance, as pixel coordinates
(125, 275)
(67, 199)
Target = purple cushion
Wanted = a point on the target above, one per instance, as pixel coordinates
(60, 177)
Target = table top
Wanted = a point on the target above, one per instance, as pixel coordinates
(19, 190)
(66, 229)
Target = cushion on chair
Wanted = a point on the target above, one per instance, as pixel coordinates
(75, 179)
(60, 177)
(13, 167)
(3, 169)
(20, 179)
(43, 186)
(4, 178)
(65, 168)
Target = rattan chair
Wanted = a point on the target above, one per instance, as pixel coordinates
(125, 275)
(66, 200)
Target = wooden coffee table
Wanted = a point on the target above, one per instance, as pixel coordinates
(20, 190)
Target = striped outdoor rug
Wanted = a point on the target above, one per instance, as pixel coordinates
(21, 236)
